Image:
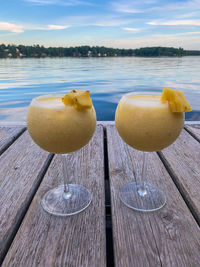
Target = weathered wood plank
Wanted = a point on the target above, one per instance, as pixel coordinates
(183, 161)
(22, 166)
(8, 135)
(194, 129)
(168, 237)
(79, 240)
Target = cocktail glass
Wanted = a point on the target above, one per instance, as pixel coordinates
(146, 124)
(61, 129)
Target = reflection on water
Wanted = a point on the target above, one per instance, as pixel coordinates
(107, 79)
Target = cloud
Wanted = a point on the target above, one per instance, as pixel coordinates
(96, 20)
(176, 23)
(6, 26)
(109, 22)
(132, 29)
(46, 28)
(149, 6)
(124, 7)
(177, 6)
(55, 27)
(58, 2)
(41, 2)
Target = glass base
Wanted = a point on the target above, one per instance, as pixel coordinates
(142, 196)
(56, 202)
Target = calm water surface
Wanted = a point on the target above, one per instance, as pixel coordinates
(107, 79)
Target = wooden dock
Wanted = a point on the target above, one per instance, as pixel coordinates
(107, 233)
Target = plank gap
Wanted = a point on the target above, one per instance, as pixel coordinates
(108, 210)
(106, 168)
(186, 197)
(192, 134)
(11, 141)
(109, 234)
(107, 193)
(17, 226)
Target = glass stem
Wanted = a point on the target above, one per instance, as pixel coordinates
(142, 188)
(66, 192)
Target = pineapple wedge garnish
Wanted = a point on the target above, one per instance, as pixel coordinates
(176, 99)
(79, 99)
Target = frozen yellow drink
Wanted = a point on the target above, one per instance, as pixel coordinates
(146, 123)
(149, 122)
(57, 127)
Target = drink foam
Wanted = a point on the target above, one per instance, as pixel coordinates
(48, 102)
(144, 101)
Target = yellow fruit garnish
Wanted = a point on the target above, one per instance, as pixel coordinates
(79, 99)
(176, 99)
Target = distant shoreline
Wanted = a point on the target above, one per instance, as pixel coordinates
(37, 51)
(39, 57)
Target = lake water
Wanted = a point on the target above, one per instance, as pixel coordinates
(107, 79)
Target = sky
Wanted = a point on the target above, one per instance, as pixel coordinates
(118, 24)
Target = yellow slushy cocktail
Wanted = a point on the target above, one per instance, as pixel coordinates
(57, 127)
(149, 122)
(146, 123)
(62, 125)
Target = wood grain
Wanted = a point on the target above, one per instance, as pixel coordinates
(194, 130)
(183, 161)
(78, 240)
(168, 237)
(8, 135)
(21, 166)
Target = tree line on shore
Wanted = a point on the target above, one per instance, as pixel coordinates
(20, 51)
